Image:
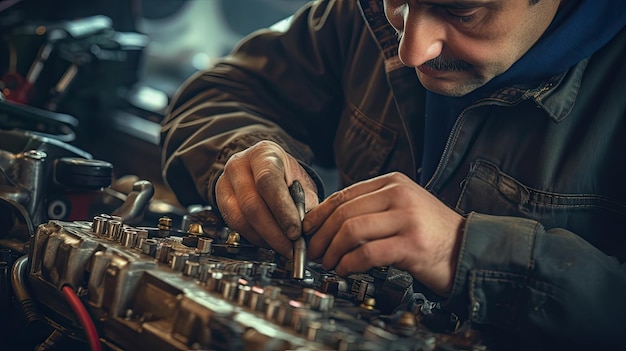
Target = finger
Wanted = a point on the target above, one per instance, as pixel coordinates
(321, 213)
(340, 219)
(258, 215)
(359, 231)
(269, 177)
(231, 213)
(294, 171)
(378, 253)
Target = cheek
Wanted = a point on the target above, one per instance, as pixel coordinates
(493, 55)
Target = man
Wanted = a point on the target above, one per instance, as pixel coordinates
(482, 142)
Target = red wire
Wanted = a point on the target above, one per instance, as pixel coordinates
(83, 317)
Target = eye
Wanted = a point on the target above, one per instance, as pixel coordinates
(462, 15)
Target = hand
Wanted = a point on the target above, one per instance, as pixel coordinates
(253, 196)
(388, 220)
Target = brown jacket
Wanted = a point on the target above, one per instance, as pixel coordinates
(529, 166)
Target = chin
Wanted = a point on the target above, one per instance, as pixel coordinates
(449, 86)
(452, 89)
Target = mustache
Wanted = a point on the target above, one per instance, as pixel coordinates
(441, 64)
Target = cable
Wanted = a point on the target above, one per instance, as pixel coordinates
(83, 317)
(21, 292)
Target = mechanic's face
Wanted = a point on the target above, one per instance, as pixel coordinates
(457, 46)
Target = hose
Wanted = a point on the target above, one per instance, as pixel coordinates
(21, 293)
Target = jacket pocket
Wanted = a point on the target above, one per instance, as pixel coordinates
(596, 218)
(364, 146)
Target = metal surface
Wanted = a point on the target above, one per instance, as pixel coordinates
(299, 245)
(162, 294)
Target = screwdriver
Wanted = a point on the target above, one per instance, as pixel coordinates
(299, 245)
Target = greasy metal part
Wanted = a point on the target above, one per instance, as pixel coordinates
(165, 225)
(272, 291)
(213, 280)
(129, 237)
(322, 302)
(233, 242)
(258, 341)
(178, 261)
(406, 324)
(149, 247)
(30, 173)
(299, 258)
(312, 330)
(233, 239)
(228, 286)
(301, 316)
(243, 294)
(271, 308)
(307, 295)
(30, 193)
(197, 300)
(164, 252)
(195, 229)
(191, 269)
(299, 246)
(362, 292)
(142, 235)
(255, 301)
(329, 284)
(136, 203)
(369, 303)
(99, 225)
(204, 245)
(114, 228)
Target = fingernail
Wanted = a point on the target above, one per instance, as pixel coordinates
(293, 232)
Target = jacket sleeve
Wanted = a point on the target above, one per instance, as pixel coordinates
(544, 287)
(279, 86)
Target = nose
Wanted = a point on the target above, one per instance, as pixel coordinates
(422, 38)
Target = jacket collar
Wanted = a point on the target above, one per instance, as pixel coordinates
(556, 95)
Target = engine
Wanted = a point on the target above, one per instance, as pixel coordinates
(84, 266)
(167, 289)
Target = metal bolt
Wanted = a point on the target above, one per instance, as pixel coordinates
(368, 303)
(195, 229)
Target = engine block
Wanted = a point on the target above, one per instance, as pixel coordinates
(205, 289)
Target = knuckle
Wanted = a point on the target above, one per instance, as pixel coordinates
(396, 176)
(350, 230)
(233, 163)
(368, 252)
(266, 148)
(398, 191)
(265, 179)
(337, 197)
(341, 213)
(265, 144)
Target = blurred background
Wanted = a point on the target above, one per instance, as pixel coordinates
(99, 74)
